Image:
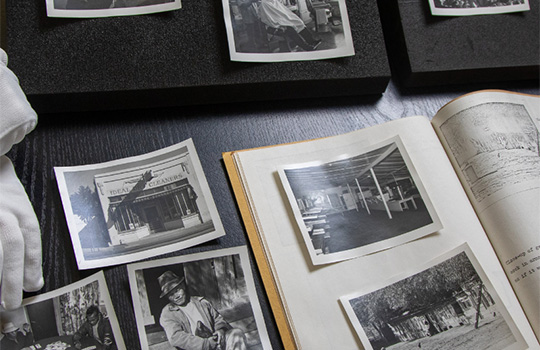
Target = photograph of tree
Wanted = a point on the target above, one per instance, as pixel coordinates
(446, 306)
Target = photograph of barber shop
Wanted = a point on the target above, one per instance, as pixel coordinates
(357, 205)
(282, 30)
(134, 208)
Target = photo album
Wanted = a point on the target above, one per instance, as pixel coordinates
(420, 232)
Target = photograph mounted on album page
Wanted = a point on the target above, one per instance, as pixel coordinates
(446, 304)
(108, 8)
(138, 207)
(287, 30)
(394, 207)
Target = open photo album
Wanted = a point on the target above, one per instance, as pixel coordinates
(339, 224)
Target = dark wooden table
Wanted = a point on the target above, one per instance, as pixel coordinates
(92, 137)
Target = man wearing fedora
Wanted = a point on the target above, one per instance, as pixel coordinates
(192, 323)
(13, 338)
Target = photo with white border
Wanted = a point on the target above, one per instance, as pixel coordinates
(476, 7)
(219, 284)
(354, 204)
(138, 207)
(63, 319)
(448, 303)
(108, 8)
(287, 30)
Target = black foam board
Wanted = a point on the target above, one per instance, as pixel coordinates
(428, 50)
(173, 58)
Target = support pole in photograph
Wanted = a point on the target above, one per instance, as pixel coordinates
(479, 303)
(398, 187)
(362, 194)
(381, 193)
(352, 196)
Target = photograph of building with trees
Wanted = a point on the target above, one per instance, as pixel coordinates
(446, 306)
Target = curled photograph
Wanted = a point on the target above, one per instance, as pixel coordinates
(447, 304)
(287, 30)
(350, 205)
(137, 207)
(476, 7)
(77, 316)
(200, 301)
(108, 8)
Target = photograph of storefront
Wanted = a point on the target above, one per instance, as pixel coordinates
(356, 205)
(137, 207)
(141, 202)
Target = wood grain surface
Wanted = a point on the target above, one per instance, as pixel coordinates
(92, 137)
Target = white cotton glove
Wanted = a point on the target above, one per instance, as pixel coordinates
(20, 237)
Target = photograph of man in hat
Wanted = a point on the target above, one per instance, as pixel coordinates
(191, 322)
(13, 338)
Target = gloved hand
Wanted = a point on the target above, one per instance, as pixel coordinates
(20, 236)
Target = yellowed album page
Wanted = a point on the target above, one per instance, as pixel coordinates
(493, 140)
(310, 293)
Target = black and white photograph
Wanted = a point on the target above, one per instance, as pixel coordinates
(287, 30)
(476, 7)
(199, 301)
(77, 316)
(496, 146)
(108, 8)
(138, 207)
(448, 304)
(350, 205)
